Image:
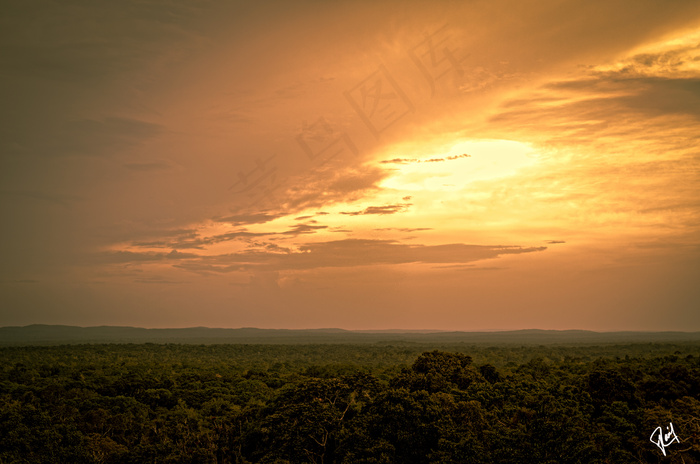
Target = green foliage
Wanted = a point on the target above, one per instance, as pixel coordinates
(347, 404)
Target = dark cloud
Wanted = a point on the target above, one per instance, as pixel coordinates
(648, 94)
(303, 229)
(271, 247)
(644, 87)
(159, 236)
(359, 252)
(255, 218)
(297, 229)
(667, 62)
(386, 209)
(351, 253)
(553, 242)
(195, 241)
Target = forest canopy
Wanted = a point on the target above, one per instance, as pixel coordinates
(380, 403)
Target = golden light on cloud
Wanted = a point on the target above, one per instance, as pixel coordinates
(677, 55)
(332, 166)
(463, 163)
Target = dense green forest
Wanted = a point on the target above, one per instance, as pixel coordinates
(369, 403)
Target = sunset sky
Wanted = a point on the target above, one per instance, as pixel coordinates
(471, 165)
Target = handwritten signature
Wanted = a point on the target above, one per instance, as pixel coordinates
(664, 439)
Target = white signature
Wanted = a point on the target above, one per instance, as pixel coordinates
(664, 439)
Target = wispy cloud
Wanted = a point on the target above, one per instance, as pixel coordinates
(405, 229)
(303, 229)
(386, 209)
(429, 160)
(331, 185)
(196, 240)
(646, 85)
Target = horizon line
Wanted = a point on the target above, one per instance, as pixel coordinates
(350, 330)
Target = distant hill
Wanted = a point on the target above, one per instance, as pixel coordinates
(61, 334)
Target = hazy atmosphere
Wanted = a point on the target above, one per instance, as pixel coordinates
(480, 165)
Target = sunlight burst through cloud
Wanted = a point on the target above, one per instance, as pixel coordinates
(463, 163)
